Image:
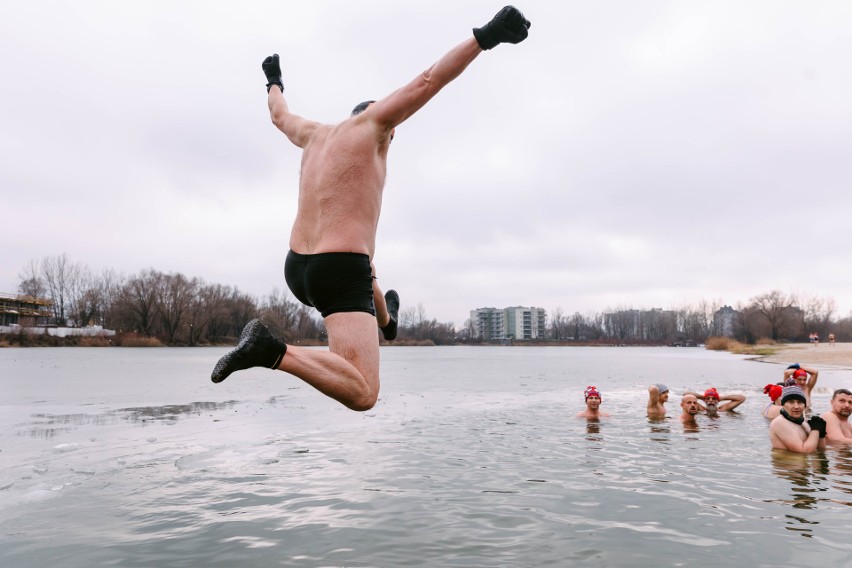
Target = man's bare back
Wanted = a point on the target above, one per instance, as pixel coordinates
(340, 190)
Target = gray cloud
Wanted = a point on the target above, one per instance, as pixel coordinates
(644, 154)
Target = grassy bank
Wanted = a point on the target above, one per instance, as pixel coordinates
(763, 347)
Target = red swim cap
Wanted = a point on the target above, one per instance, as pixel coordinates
(774, 391)
(711, 392)
(799, 373)
(591, 391)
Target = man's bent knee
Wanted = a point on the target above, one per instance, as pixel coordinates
(363, 403)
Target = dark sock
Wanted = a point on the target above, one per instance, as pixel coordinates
(257, 348)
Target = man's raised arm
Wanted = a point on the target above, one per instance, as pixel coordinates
(508, 26)
(734, 400)
(297, 129)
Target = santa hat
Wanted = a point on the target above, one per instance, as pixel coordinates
(591, 391)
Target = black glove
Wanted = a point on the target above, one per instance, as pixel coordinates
(508, 26)
(794, 366)
(272, 69)
(818, 424)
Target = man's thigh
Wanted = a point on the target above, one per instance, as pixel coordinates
(355, 337)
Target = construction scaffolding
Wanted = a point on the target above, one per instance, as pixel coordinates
(25, 311)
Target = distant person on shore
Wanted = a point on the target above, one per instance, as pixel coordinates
(658, 395)
(713, 404)
(593, 403)
(831, 339)
(811, 338)
(689, 408)
(772, 409)
(332, 241)
(837, 427)
(805, 377)
(790, 431)
(816, 339)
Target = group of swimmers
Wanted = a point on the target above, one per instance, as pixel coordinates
(792, 426)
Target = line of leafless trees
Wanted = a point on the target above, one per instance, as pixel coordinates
(179, 310)
(774, 315)
(173, 308)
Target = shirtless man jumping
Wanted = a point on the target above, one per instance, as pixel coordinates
(332, 242)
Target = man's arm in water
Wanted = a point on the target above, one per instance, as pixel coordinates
(508, 26)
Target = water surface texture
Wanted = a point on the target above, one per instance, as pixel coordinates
(472, 457)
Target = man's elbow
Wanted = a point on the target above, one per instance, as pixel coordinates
(277, 119)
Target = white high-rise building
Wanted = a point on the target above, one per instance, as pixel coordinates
(517, 322)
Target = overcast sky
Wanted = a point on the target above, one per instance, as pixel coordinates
(628, 154)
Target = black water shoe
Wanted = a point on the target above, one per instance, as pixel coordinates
(392, 301)
(257, 348)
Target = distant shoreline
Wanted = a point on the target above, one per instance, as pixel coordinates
(838, 355)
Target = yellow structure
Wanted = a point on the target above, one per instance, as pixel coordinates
(25, 311)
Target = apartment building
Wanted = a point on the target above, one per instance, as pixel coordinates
(513, 323)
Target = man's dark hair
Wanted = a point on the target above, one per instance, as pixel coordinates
(841, 391)
(361, 107)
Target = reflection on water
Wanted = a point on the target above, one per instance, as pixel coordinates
(808, 477)
(660, 430)
(49, 426)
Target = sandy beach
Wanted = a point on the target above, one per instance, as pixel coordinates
(838, 355)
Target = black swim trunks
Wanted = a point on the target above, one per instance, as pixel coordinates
(331, 282)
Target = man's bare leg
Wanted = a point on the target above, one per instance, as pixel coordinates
(349, 371)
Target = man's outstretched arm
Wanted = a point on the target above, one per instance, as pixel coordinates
(297, 129)
(508, 26)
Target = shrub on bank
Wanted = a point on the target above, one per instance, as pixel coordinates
(136, 340)
(718, 343)
(763, 346)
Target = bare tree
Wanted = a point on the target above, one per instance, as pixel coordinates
(139, 298)
(58, 274)
(558, 324)
(817, 315)
(108, 288)
(31, 282)
(280, 313)
(206, 307)
(776, 308)
(174, 294)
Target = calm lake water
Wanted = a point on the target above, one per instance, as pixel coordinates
(473, 457)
